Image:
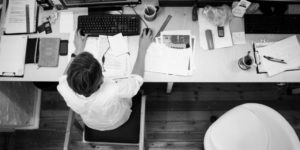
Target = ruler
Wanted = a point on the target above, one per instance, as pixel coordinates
(163, 26)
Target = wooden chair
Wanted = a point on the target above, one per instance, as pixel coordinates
(129, 134)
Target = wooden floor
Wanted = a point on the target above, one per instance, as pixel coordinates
(173, 121)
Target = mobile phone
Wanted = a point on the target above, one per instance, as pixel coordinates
(221, 31)
(47, 27)
(63, 48)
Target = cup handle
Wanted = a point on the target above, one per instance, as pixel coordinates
(157, 8)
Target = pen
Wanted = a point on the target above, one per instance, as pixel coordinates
(275, 59)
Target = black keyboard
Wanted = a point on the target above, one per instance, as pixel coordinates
(109, 24)
(284, 24)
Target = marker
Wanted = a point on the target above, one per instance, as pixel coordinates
(275, 59)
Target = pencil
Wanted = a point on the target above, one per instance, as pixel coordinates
(147, 9)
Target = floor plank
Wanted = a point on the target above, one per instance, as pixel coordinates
(174, 121)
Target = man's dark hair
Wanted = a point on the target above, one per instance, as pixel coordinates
(84, 75)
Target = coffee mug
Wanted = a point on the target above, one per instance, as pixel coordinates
(150, 12)
(245, 62)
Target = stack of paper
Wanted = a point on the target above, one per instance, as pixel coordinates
(172, 53)
(287, 50)
(111, 52)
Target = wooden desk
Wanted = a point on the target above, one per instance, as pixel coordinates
(219, 65)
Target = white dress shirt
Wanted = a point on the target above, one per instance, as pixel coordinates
(106, 109)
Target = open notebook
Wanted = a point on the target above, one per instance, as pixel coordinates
(21, 17)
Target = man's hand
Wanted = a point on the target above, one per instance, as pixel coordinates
(79, 42)
(145, 41)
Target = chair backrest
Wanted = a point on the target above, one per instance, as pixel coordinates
(134, 129)
(251, 126)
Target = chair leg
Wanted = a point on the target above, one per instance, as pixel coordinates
(68, 129)
(169, 87)
(142, 124)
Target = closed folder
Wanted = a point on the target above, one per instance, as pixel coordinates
(48, 52)
(12, 55)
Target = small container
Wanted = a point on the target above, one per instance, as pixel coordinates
(150, 12)
(245, 62)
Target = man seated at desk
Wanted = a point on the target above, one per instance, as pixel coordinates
(103, 104)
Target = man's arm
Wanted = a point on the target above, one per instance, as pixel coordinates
(79, 43)
(145, 41)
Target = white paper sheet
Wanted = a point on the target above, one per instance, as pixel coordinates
(238, 37)
(162, 59)
(118, 44)
(66, 22)
(287, 49)
(219, 42)
(92, 46)
(116, 66)
(12, 56)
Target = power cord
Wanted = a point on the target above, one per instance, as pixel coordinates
(132, 7)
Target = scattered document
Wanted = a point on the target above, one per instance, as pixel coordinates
(12, 56)
(118, 44)
(172, 53)
(237, 30)
(116, 66)
(92, 46)
(287, 49)
(21, 16)
(66, 22)
(114, 55)
(219, 42)
(162, 59)
(114, 60)
(238, 38)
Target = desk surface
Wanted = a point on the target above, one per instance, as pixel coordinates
(219, 65)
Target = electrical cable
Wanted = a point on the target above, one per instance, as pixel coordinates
(132, 7)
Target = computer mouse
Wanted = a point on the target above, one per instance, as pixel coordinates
(147, 30)
(81, 32)
(209, 39)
